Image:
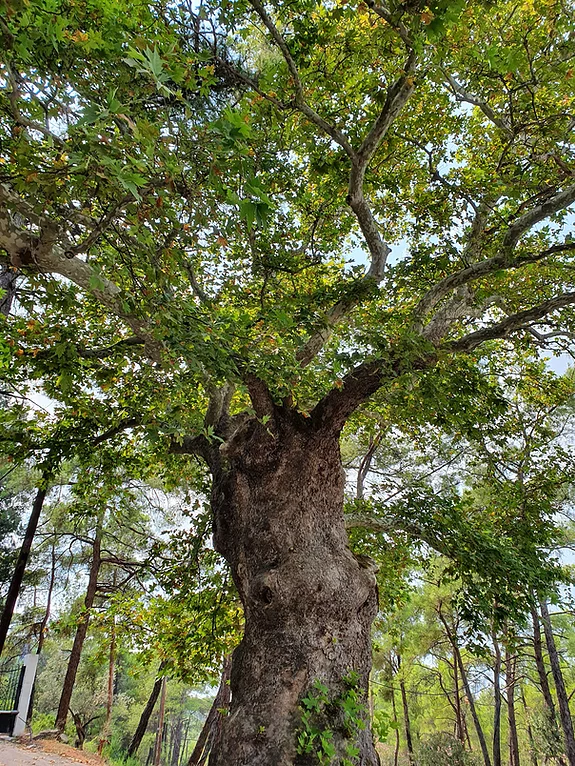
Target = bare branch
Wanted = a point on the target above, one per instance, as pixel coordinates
(115, 430)
(14, 97)
(337, 135)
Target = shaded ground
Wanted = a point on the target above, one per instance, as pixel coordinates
(44, 753)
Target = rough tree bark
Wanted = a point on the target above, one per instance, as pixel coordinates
(459, 721)
(146, 713)
(8, 277)
(278, 488)
(553, 734)
(81, 631)
(562, 698)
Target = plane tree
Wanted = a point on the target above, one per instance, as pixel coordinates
(233, 227)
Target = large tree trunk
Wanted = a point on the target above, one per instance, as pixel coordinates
(81, 631)
(20, 568)
(146, 713)
(562, 698)
(309, 604)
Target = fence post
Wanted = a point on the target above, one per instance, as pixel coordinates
(30, 665)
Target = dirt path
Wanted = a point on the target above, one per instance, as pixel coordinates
(45, 753)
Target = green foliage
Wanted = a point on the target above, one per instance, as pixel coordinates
(443, 749)
(322, 712)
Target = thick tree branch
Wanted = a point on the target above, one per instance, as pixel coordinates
(334, 409)
(383, 11)
(397, 97)
(41, 252)
(97, 353)
(332, 412)
(192, 445)
(513, 323)
(528, 220)
(481, 269)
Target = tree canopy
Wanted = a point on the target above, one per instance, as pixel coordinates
(225, 228)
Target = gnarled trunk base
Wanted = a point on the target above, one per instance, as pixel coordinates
(300, 675)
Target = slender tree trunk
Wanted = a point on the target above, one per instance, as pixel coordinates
(468, 694)
(105, 735)
(552, 734)
(146, 713)
(20, 568)
(510, 672)
(540, 664)
(532, 750)
(562, 698)
(459, 724)
(177, 739)
(406, 721)
(81, 631)
(496, 703)
(185, 737)
(160, 732)
(209, 733)
(396, 722)
(277, 500)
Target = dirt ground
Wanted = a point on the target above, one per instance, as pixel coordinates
(44, 753)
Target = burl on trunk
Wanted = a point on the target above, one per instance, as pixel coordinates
(278, 520)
